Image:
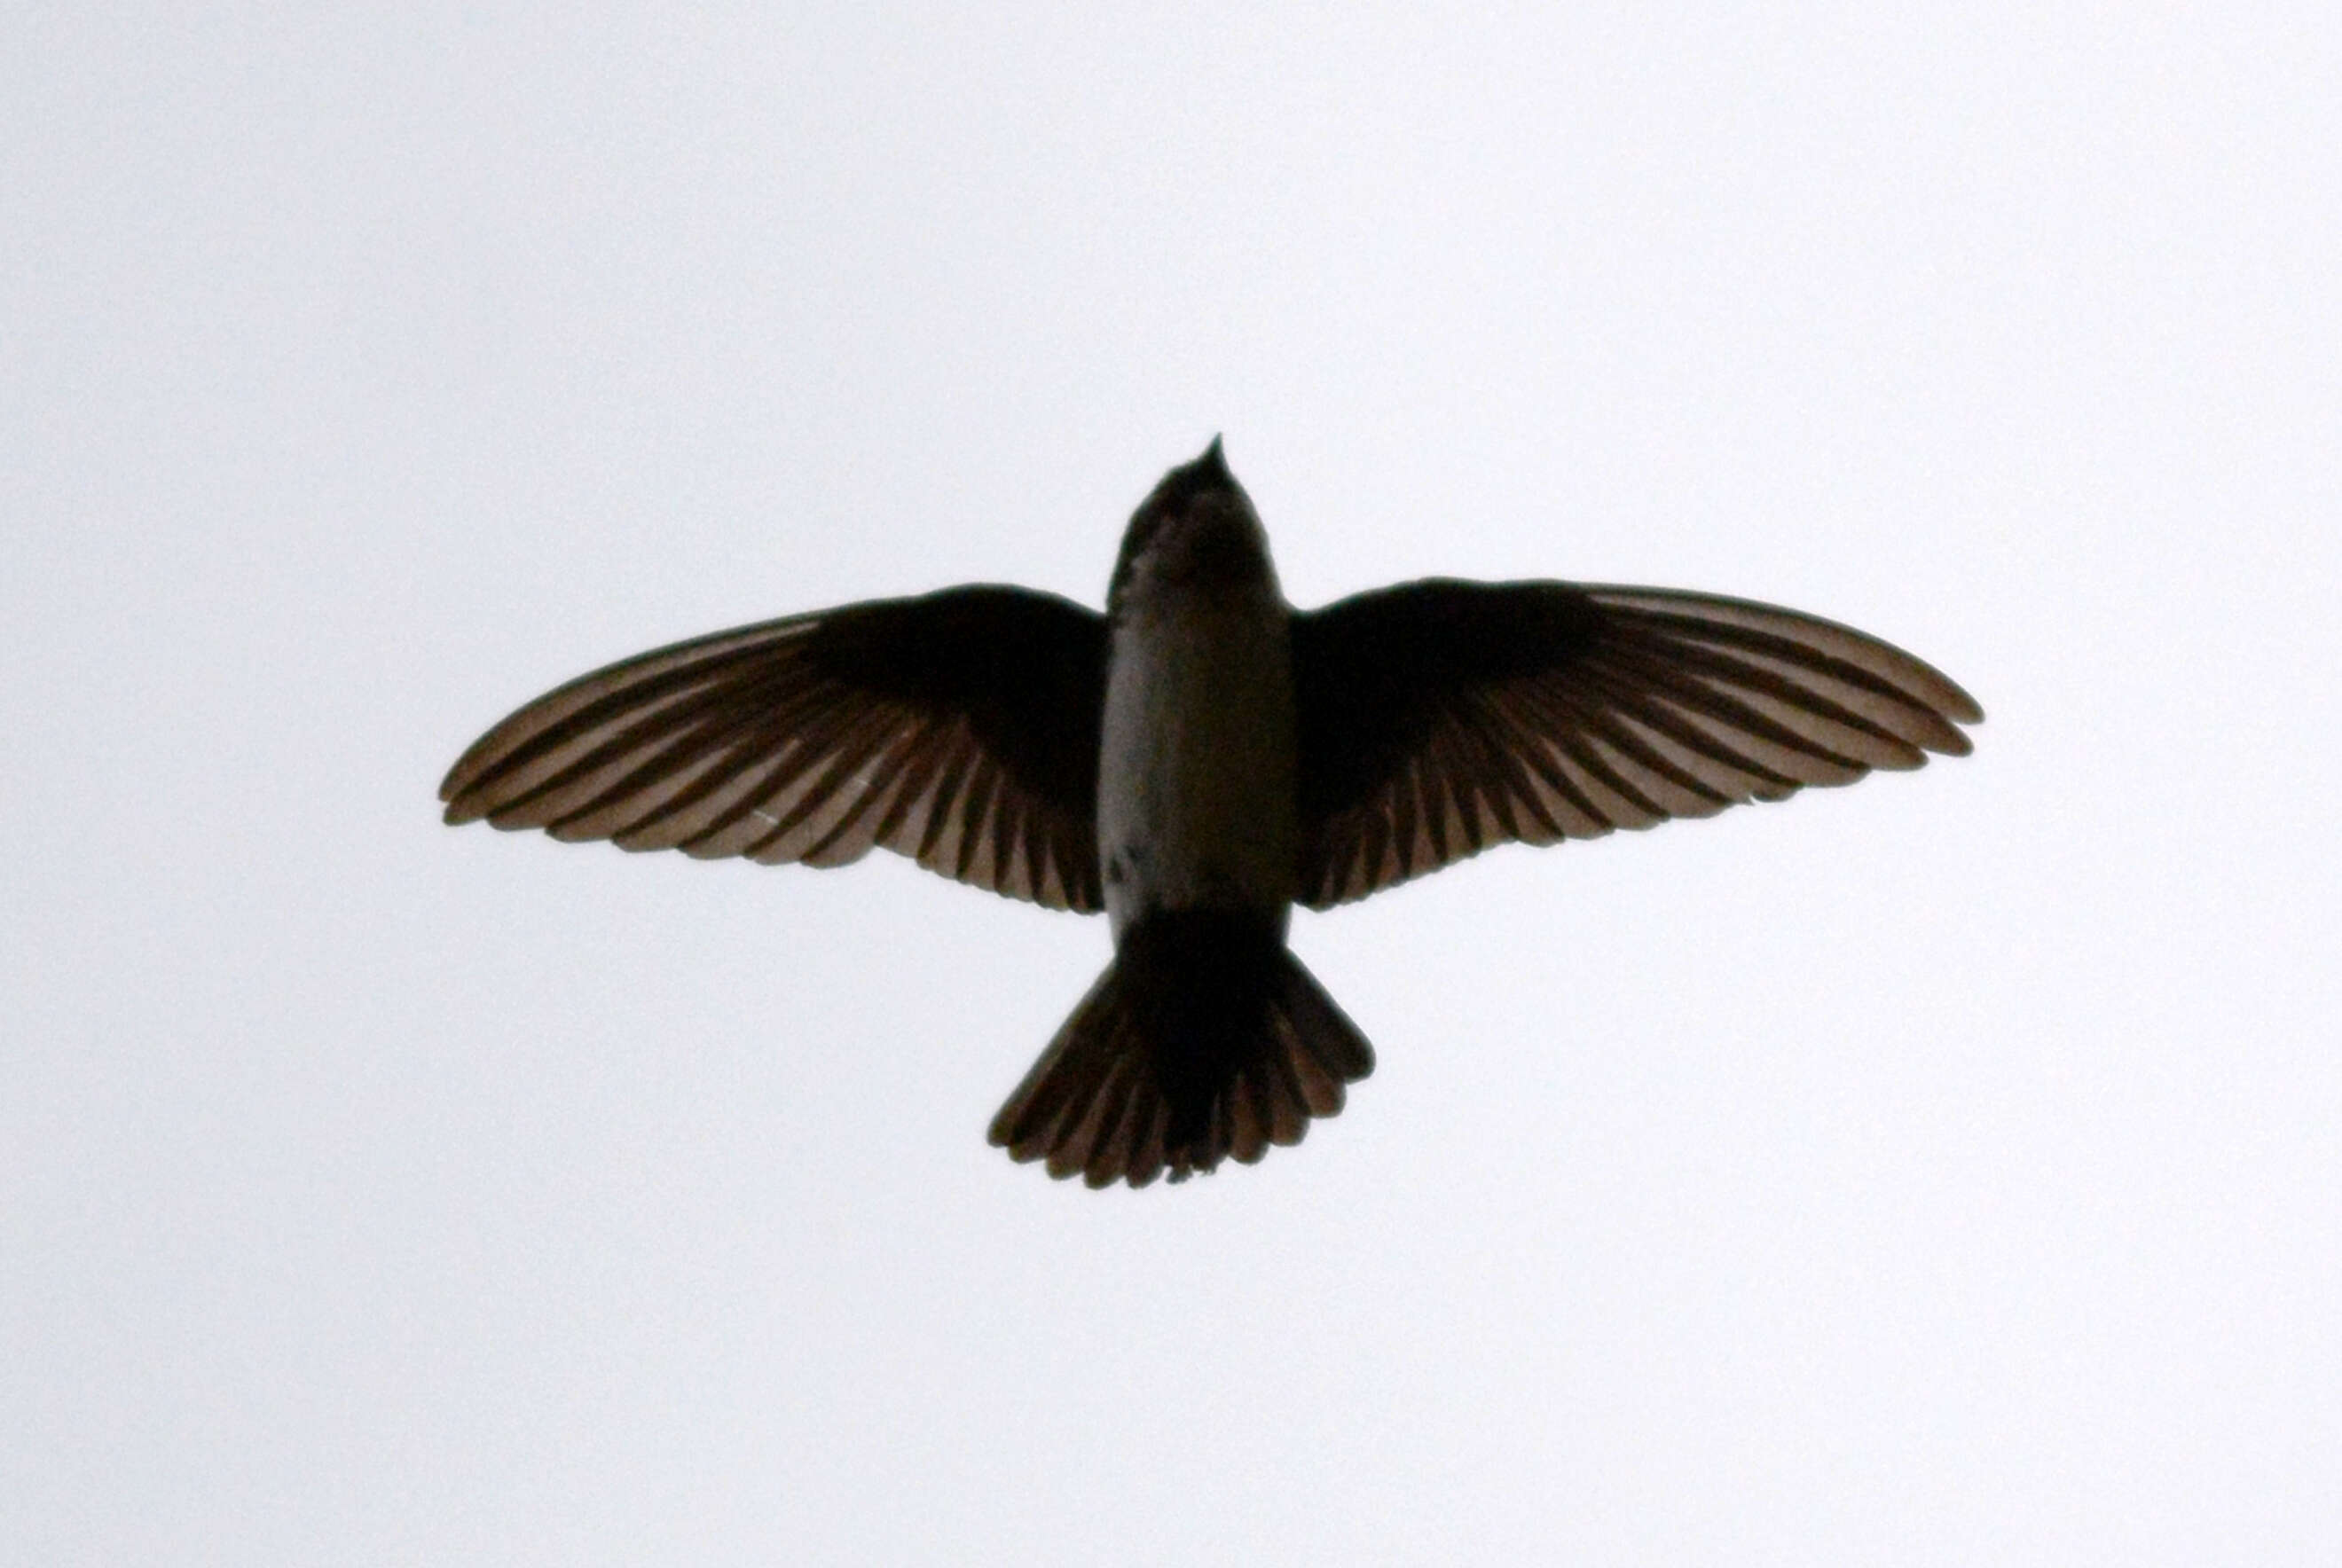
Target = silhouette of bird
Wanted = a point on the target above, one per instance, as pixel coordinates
(1195, 762)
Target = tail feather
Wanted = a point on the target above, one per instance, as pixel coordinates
(1205, 1038)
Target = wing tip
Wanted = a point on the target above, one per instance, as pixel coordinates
(459, 803)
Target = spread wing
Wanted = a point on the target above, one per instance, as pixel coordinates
(1440, 717)
(960, 728)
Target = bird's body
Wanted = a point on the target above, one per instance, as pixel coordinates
(1198, 759)
(1194, 764)
(1206, 1035)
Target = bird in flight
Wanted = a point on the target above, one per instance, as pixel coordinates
(1195, 762)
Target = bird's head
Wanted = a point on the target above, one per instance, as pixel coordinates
(1196, 530)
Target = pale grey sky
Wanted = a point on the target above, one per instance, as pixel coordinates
(1943, 1171)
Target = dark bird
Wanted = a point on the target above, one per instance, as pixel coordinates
(1195, 762)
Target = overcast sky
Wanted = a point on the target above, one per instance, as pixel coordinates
(1947, 1170)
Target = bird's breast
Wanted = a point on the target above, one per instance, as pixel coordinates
(1198, 793)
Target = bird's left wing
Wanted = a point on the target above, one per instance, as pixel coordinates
(1440, 717)
(959, 728)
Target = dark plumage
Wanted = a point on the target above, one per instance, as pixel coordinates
(1197, 761)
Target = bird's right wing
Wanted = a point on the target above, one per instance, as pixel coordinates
(960, 728)
(1440, 717)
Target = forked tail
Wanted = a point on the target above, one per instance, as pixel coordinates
(1203, 1038)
